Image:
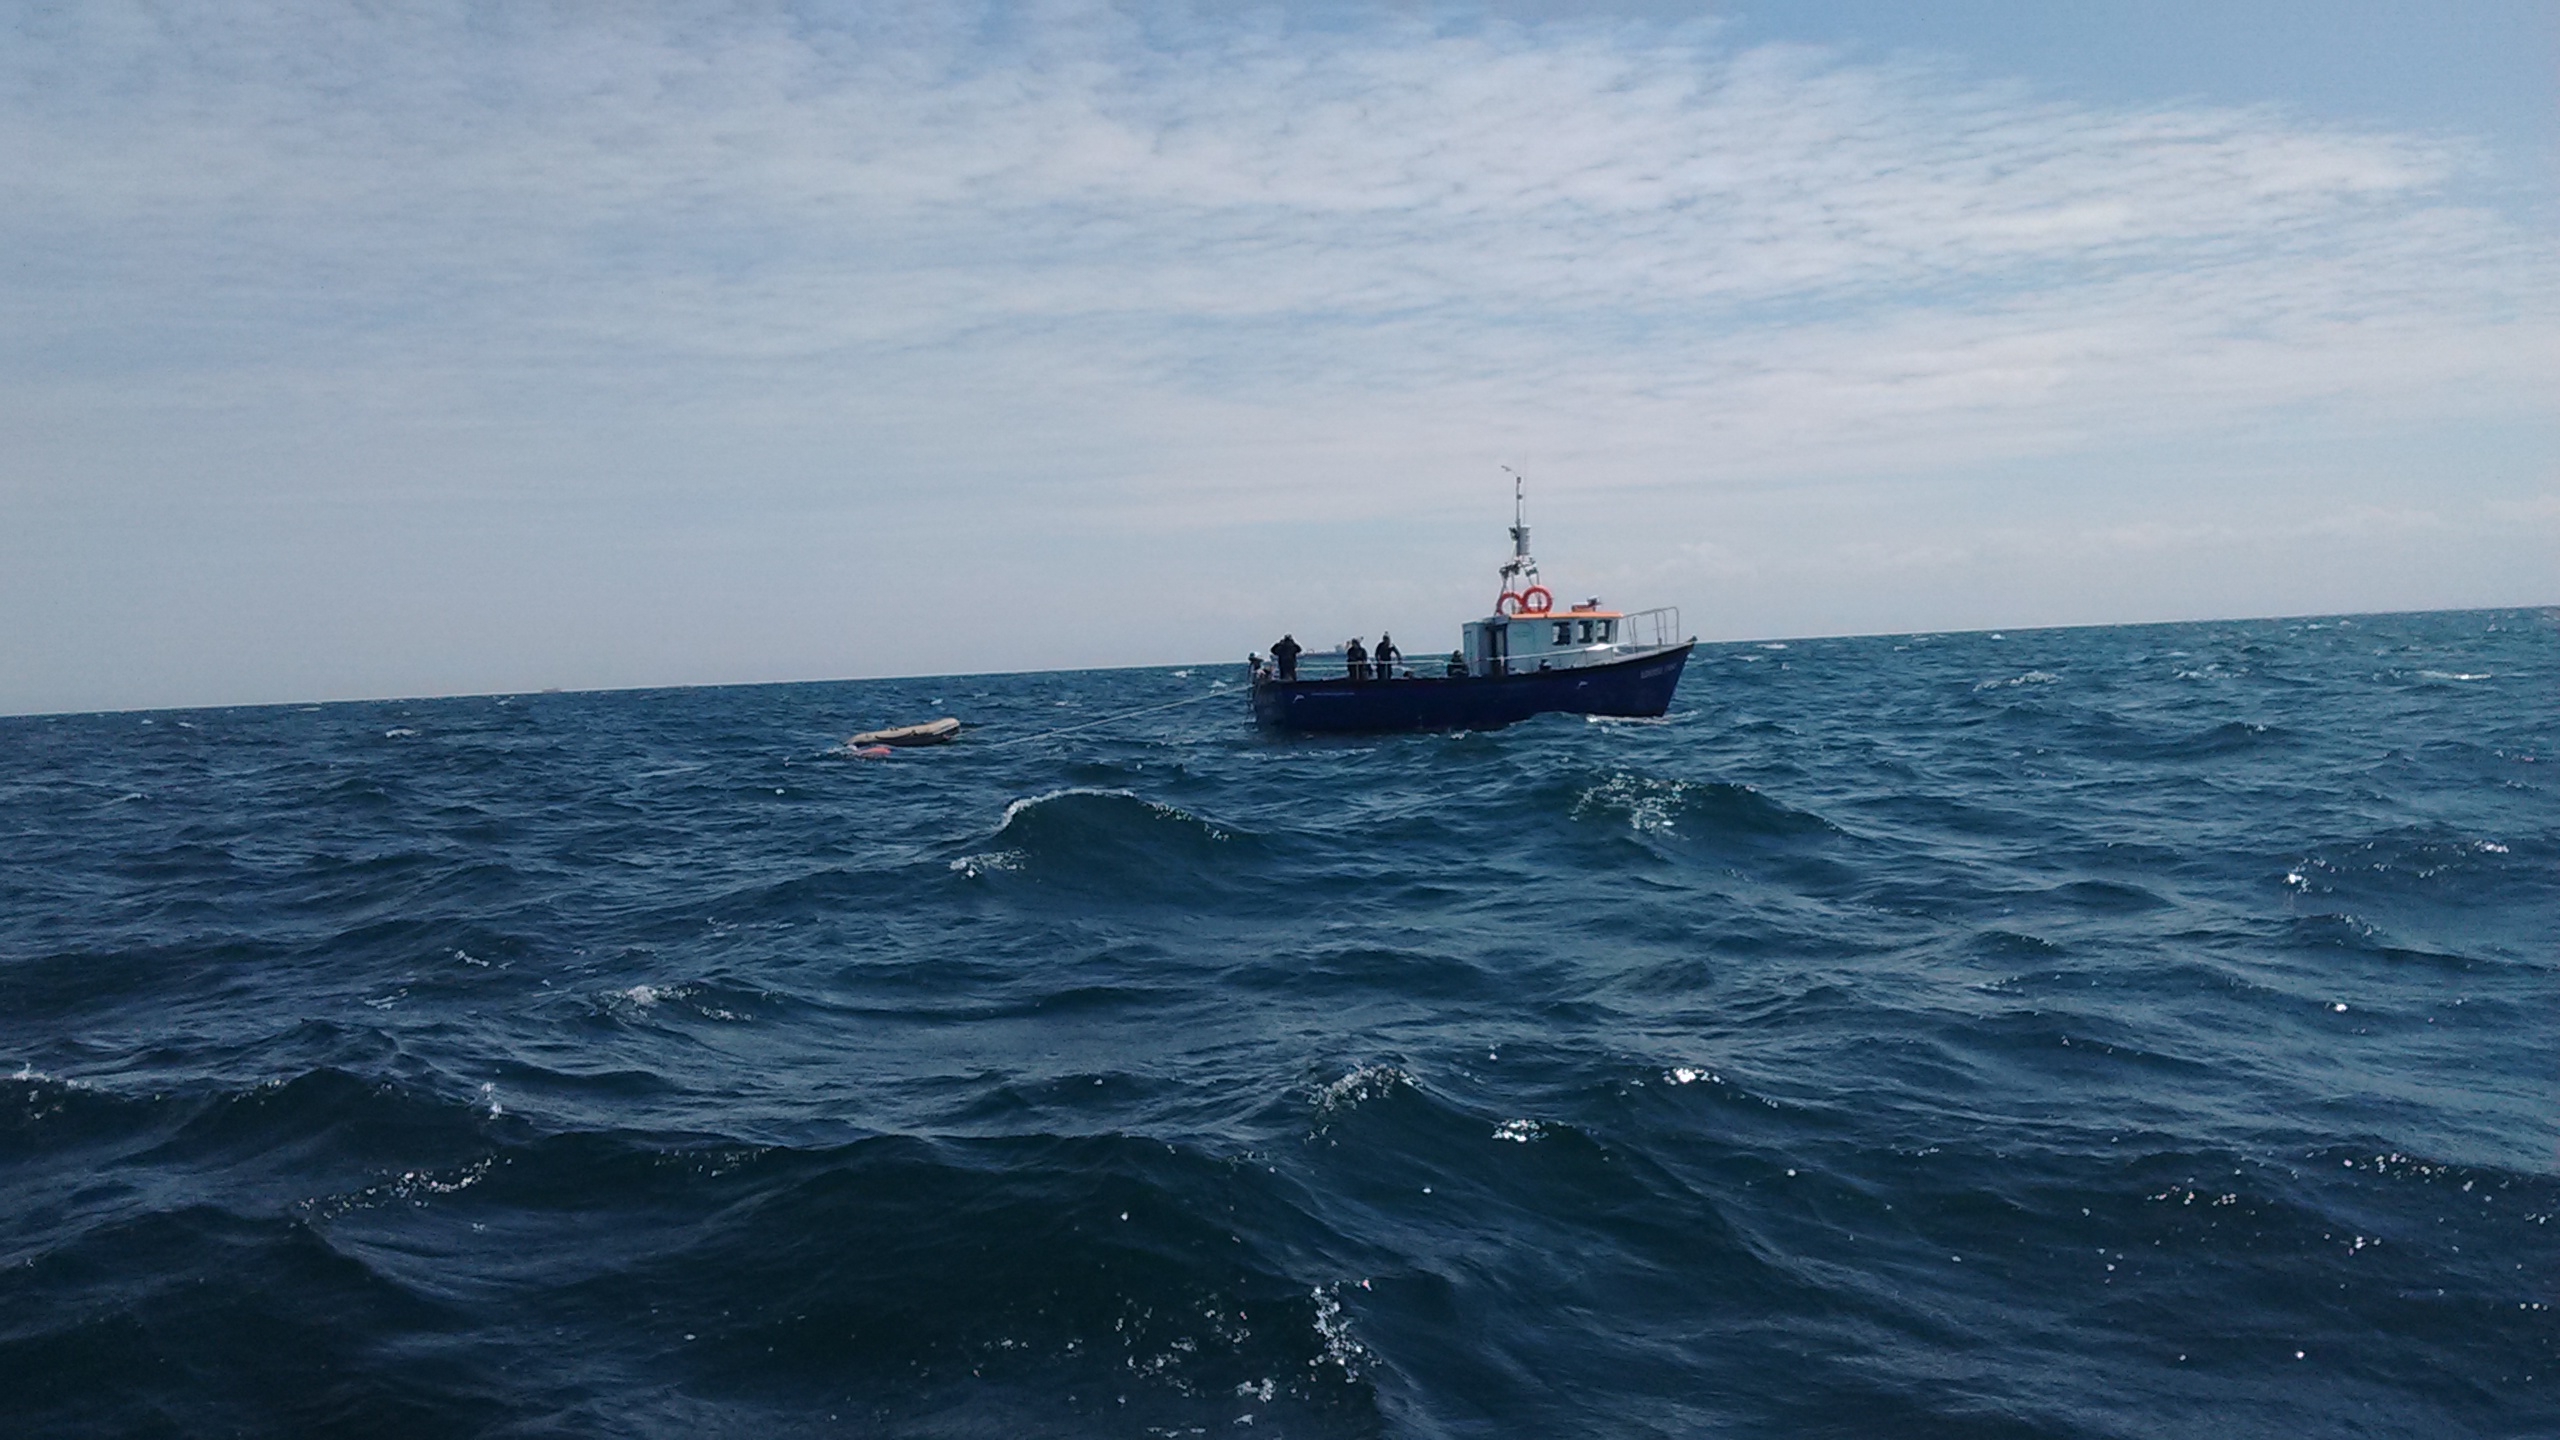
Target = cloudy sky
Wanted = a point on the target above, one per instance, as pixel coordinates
(446, 347)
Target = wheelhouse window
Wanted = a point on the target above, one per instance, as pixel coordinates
(1582, 632)
(1608, 632)
(1564, 632)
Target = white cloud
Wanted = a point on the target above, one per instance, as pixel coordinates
(1185, 270)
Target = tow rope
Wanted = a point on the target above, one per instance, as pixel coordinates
(1108, 719)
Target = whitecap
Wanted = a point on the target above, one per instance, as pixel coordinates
(644, 997)
(2032, 677)
(1334, 1329)
(973, 866)
(1520, 1132)
(1014, 810)
(1025, 803)
(415, 1187)
(399, 732)
(1366, 1082)
(1650, 804)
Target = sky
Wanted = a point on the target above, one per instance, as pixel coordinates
(459, 348)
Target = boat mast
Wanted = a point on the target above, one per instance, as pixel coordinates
(1519, 573)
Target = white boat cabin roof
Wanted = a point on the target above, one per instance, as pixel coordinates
(1586, 632)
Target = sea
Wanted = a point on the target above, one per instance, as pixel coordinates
(2060, 1033)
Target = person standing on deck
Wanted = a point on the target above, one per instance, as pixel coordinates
(1284, 657)
(1355, 659)
(1387, 655)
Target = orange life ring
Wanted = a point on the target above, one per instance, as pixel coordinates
(1510, 604)
(1536, 600)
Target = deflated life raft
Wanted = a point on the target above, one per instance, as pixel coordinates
(932, 732)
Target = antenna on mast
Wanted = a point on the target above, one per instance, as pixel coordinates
(1519, 514)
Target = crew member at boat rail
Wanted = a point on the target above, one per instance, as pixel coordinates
(1355, 659)
(1284, 657)
(1386, 657)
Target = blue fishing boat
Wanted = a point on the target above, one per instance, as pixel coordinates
(1526, 658)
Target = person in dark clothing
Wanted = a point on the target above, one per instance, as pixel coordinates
(1355, 658)
(1386, 656)
(1457, 662)
(1284, 657)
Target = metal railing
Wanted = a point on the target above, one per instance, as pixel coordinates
(1648, 629)
(1331, 665)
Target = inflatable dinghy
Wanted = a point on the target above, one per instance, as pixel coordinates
(932, 732)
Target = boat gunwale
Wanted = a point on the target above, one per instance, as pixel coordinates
(1304, 684)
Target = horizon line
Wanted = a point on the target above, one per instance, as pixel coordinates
(2000, 630)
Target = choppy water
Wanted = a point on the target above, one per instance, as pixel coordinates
(2073, 1033)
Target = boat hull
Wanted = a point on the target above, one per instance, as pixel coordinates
(1639, 686)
